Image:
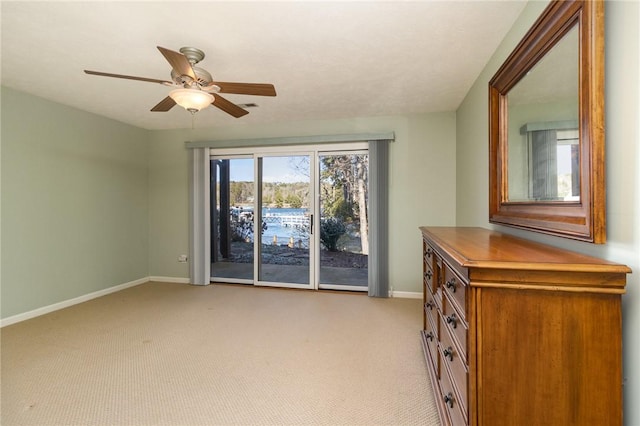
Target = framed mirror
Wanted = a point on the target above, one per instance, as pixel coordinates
(546, 126)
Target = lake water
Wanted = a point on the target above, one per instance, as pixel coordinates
(273, 218)
(281, 232)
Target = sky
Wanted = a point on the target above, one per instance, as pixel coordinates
(275, 169)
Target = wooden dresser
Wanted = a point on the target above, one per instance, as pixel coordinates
(520, 333)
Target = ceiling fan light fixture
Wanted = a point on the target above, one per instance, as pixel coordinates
(193, 100)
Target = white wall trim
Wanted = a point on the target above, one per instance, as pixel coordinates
(407, 295)
(67, 303)
(170, 280)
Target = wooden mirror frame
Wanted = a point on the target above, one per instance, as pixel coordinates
(584, 219)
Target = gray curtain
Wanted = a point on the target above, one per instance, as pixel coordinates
(379, 218)
(544, 173)
(199, 211)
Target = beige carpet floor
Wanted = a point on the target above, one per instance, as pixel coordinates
(175, 354)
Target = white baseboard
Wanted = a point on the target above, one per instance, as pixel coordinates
(407, 295)
(66, 303)
(170, 280)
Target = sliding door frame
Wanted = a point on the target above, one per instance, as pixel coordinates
(213, 215)
(257, 250)
(341, 150)
(314, 151)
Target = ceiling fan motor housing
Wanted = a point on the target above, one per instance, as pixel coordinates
(203, 78)
(193, 55)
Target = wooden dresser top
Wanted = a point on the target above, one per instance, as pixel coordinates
(482, 248)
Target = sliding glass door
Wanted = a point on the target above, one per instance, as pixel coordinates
(291, 218)
(344, 225)
(232, 218)
(285, 197)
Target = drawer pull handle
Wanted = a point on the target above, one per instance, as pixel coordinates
(448, 399)
(451, 284)
(452, 319)
(449, 353)
(430, 305)
(430, 336)
(429, 274)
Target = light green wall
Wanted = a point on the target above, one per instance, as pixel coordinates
(422, 169)
(74, 203)
(622, 94)
(89, 203)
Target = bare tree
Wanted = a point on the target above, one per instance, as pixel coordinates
(361, 175)
(349, 172)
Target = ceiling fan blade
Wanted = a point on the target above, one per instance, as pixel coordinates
(128, 77)
(258, 89)
(228, 106)
(178, 62)
(164, 105)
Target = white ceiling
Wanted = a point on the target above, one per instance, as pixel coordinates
(326, 59)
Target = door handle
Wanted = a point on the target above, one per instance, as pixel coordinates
(311, 225)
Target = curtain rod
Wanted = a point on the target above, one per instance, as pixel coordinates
(293, 140)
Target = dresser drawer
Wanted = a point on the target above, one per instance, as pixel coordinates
(455, 287)
(456, 412)
(431, 307)
(455, 363)
(457, 327)
(431, 342)
(428, 254)
(429, 280)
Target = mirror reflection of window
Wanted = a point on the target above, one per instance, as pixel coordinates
(541, 104)
(568, 148)
(554, 173)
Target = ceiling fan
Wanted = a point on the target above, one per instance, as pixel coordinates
(195, 89)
